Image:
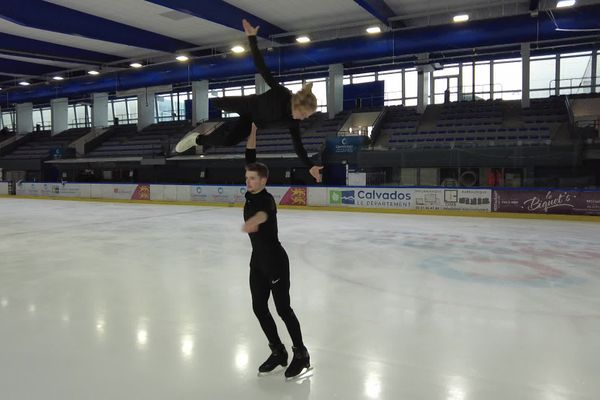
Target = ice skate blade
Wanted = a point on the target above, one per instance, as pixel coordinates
(306, 373)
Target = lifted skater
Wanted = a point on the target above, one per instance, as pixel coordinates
(277, 107)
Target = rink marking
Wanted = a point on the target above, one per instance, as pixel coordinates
(476, 214)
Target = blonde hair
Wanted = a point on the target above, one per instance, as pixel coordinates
(305, 99)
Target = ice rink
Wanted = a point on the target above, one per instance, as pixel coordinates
(137, 301)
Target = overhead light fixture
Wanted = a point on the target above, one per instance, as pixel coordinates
(58, 78)
(373, 30)
(182, 58)
(565, 3)
(303, 39)
(238, 49)
(136, 65)
(93, 72)
(24, 83)
(461, 18)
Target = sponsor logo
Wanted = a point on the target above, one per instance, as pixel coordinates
(549, 202)
(341, 197)
(370, 197)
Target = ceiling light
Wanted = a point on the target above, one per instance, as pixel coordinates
(565, 3)
(373, 30)
(238, 49)
(93, 72)
(461, 18)
(58, 78)
(303, 39)
(24, 83)
(136, 65)
(182, 58)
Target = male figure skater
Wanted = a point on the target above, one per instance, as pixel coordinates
(269, 267)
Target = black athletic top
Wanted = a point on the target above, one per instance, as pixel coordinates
(266, 239)
(274, 107)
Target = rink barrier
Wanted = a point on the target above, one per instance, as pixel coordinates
(4, 189)
(471, 202)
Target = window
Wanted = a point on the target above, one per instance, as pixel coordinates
(8, 120)
(294, 86)
(164, 107)
(542, 79)
(83, 115)
(363, 78)
(392, 89)
(120, 110)
(37, 119)
(132, 110)
(411, 84)
(467, 81)
(508, 79)
(575, 73)
(448, 70)
(319, 89)
(248, 90)
(234, 91)
(482, 80)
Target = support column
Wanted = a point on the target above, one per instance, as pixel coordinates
(59, 112)
(557, 76)
(423, 77)
(99, 110)
(24, 118)
(261, 85)
(594, 81)
(199, 101)
(335, 90)
(526, 73)
(146, 108)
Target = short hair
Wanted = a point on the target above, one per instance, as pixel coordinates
(261, 169)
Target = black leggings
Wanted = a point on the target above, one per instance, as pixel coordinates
(231, 132)
(261, 287)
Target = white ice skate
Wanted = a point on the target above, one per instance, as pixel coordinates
(189, 140)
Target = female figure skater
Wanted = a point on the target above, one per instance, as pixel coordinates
(276, 107)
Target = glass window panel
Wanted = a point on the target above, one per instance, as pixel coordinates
(132, 105)
(410, 80)
(542, 74)
(575, 74)
(363, 78)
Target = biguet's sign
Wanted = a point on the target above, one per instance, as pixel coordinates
(547, 201)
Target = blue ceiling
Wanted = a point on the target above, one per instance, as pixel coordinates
(54, 18)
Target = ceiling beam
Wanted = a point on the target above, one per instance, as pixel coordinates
(377, 8)
(18, 45)
(222, 13)
(24, 68)
(40, 14)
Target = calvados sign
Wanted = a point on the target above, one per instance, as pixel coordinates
(547, 201)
